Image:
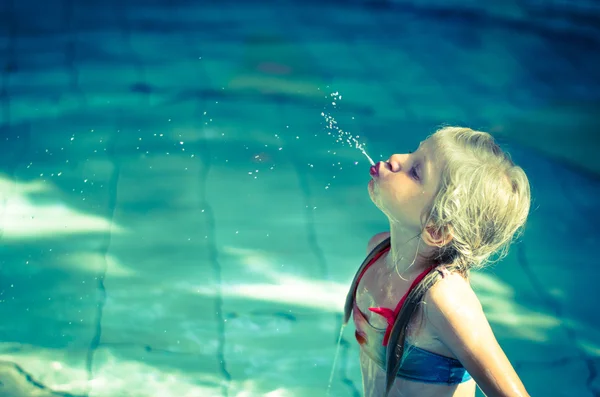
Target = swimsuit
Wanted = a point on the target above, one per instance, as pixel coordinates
(416, 364)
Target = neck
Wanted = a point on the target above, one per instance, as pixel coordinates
(406, 251)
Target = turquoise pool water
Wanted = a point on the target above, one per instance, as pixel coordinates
(176, 220)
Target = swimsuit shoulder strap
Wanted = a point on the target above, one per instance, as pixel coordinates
(392, 316)
(379, 250)
(392, 334)
(416, 281)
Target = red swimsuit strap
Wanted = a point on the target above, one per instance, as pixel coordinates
(375, 254)
(373, 260)
(388, 314)
(413, 285)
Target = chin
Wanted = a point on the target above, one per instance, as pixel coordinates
(375, 198)
(371, 188)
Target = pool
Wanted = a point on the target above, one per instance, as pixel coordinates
(177, 221)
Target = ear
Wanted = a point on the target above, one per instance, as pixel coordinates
(435, 237)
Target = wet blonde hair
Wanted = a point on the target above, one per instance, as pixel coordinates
(483, 200)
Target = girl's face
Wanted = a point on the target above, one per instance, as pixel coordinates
(404, 185)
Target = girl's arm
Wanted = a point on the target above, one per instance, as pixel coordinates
(456, 314)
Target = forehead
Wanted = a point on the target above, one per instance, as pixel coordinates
(429, 149)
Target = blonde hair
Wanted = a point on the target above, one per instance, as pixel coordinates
(483, 200)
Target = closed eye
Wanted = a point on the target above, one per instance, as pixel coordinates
(413, 172)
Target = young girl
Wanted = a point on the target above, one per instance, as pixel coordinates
(422, 332)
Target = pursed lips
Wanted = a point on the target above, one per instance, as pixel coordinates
(375, 169)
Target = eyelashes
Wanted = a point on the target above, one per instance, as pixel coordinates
(414, 173)
(413, 170)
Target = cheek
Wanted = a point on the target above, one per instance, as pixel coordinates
(397, 190)
(406, 197)
(389, 198)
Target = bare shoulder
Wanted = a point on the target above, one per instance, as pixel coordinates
(451, 304)
(376, 239)
(450, 294)
(457, 318)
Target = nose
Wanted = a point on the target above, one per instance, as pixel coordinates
(383, 166)
(395, 161)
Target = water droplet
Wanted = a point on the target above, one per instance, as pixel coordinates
(343, 136)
